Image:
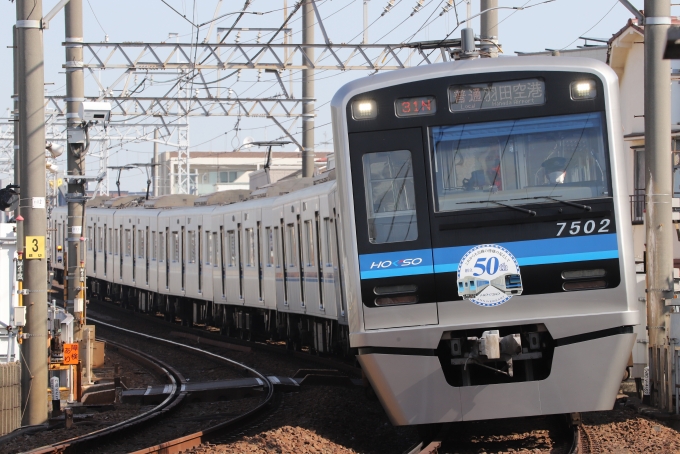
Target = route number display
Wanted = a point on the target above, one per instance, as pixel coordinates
(415, 107)
(35, 247)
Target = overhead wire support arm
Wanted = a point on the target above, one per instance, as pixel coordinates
(161, 56)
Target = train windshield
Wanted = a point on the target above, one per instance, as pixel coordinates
(516, 162)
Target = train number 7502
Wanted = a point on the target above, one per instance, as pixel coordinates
(588, 227)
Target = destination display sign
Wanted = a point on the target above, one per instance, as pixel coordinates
(496, 95)
(415, 107)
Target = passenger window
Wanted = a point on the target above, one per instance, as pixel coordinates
(231, 248)
(192, 246)
(175, 246)
(390, 197)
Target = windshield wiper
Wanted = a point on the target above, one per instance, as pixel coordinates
(523, 210)
(577, 205)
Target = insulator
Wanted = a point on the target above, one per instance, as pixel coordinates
(418, 7)
(390, 5)
(447, 7)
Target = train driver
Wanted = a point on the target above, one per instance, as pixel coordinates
(555, 169)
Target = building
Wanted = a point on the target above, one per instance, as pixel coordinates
(228, 170)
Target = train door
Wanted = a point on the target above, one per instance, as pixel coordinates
(393, 227)
(319, 260)
(300, 264)
(167, 258)
(239, 251)
(283, 262)
(107, 247)
(222, 262)
(184, 258)
(146, 254)
(94, 250)
(200, 259)
(120, 255)
(134, 253)
(259, 259)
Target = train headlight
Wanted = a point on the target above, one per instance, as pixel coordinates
(364, 109)
(583, 89)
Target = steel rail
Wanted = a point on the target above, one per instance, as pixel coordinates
(174, 398)
(195, 439)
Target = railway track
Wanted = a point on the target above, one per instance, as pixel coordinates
(176, 394)
(567, 437)
(174, 398)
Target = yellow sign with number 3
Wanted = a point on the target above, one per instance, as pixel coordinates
(35, 247)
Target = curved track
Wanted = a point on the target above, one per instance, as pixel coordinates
(196, 438)
(175, 396)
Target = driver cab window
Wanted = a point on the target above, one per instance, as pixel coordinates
(390, 197)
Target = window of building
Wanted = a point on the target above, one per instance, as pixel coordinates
(229, 176)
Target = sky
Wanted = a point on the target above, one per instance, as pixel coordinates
(556, 24)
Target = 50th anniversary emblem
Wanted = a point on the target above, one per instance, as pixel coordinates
(488, 275)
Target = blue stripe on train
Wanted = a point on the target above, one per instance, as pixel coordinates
(531, 252)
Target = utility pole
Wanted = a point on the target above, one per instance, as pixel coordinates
(155, 161)
(308, 91)
(489, 28)
(75, 160)
(17, 151)
(658, 162)
(31, 79)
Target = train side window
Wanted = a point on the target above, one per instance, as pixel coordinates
(175, 246)
(128, 242)
(154, 246)
(327, 241)
(110, 240)
(100, 240)
(292, 246)
(269, 245)
(161, 247)
(390, 197)
(250, 247)
(208, 247)
(140, 244)
(192, 246)
(231, 248)
(309, 247)
(115, 242)
(216, 249)
(89, 238)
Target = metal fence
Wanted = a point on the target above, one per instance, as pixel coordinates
(10, 397)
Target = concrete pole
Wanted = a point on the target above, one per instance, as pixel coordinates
(658, 162)
(17, 135)
(308, 91)
(155, 161)
(31, 77)
(75, 159)
(489, 28)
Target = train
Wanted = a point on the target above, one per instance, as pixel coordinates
(469, 247)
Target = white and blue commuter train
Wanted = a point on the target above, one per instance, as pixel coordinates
(472, 252)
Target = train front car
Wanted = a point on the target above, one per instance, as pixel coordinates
(488, 239)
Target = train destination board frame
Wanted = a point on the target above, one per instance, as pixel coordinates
(496, 95)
